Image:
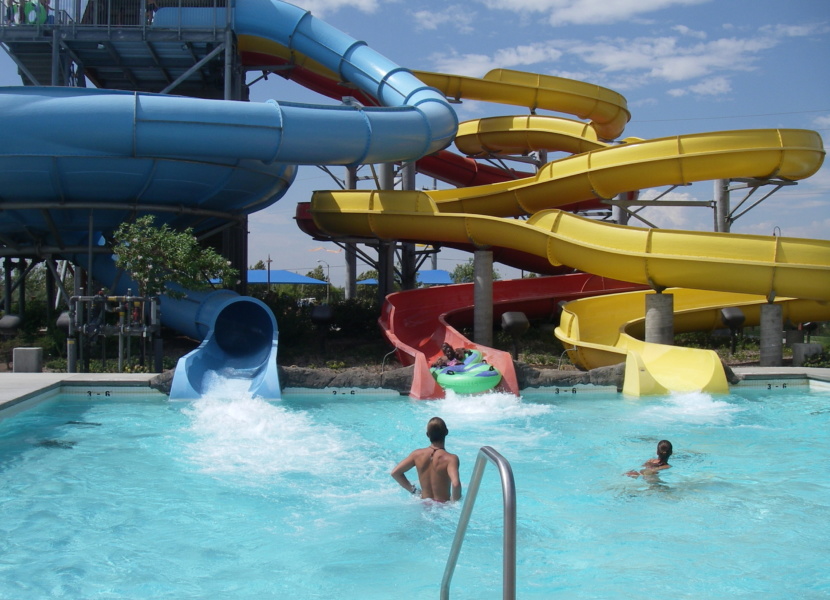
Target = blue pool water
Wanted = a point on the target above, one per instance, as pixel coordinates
(131, 496)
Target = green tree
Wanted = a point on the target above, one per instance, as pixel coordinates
(156, 256)
(465, 272)
(318, 273)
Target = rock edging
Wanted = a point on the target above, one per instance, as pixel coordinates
(400, 379)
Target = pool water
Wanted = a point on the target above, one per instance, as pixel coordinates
(132, 496)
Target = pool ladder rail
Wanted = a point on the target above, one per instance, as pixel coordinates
(508, 488)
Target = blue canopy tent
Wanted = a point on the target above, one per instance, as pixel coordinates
(277, 277)
(436, 277)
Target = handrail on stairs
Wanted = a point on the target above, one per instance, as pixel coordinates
(508, 488)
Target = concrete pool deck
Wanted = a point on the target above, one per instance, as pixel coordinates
(17, 387)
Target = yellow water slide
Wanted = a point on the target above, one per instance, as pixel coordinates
(766, 267)
(606, 330)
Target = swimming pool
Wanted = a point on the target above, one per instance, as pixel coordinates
(131, 496)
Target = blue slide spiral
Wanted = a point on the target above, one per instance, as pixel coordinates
(112, 153)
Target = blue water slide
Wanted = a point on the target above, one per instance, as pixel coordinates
(238, 334)
(195, 162)
(240, 342)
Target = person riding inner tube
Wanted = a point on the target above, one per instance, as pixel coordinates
(464, 371)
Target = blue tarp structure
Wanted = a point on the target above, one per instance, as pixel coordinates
(276, 277)
(436, 277)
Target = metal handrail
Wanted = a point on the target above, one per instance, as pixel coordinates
(508, 488)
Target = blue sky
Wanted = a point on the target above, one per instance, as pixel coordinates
(685, 66)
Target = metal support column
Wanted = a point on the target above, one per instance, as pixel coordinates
(386, 250)
(351, 248)
(483, 298)
(660, 318)
(409, 280)
(722, 221)
(772, 335)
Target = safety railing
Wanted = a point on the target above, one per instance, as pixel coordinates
(122, 14)
(508, 488)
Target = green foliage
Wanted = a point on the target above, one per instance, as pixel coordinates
(465, 272)
(819, 360)
(156, 256)
(111, 365)
(357, 317)
(318, 272)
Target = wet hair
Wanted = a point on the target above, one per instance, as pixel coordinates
(437, 429)
(664, 450)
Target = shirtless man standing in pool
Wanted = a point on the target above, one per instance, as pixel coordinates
(437, 468)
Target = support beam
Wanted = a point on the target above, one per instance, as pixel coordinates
(660, 318)
(386, 250)
(183, 77)
(722, 220)
(483, 297)
(409, 280)
(619, 214)
(351, 247)
(772, 342)
(21, 66)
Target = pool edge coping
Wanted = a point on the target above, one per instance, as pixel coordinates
(30, 385)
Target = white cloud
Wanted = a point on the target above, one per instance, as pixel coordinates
(822, 122)
(667, 59)
(476, 65)
(458, 18)
(783, 30)
(685, 31)
(588, 12)
(714, 86)
(643, 103)
(321, 8)
(471, 65)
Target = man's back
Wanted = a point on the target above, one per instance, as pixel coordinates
(435, 468)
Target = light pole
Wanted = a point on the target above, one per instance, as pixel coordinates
(328, 278)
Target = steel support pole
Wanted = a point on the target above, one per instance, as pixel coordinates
(660, 318)
(483, 297)
(722, 205)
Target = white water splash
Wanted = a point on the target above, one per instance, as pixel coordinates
(257, 440)
(697, 408)
(487, 408)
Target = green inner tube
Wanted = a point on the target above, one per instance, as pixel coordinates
(467, 378)
(35, 13)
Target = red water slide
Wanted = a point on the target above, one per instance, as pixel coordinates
(417, 322)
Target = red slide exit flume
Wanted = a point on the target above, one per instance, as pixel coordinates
(417, 322)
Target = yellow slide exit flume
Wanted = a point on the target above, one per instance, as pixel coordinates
(780, 268)
(606, 330)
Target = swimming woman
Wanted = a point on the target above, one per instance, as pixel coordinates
(664, 451)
